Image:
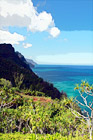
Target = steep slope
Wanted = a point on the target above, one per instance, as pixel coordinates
(7, 52)
(15, 69)
(31, 63)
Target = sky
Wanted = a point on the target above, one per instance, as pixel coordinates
(49, 31)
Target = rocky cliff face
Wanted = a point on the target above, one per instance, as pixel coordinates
(8, 52)
(11, 67)
(31, 63)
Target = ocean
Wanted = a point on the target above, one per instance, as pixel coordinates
(65, 77)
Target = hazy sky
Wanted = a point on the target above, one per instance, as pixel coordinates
(49, 31)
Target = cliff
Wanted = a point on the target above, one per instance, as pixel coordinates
(12, 67)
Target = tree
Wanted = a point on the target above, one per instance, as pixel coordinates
(6, 84)
(18, 79)
(85, 90)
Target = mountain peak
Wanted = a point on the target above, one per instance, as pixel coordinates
(6, 50)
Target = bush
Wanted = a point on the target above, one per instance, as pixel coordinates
(5, 83)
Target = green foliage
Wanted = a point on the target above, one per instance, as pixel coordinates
(33, 93)
(18, 79)
(57, 136)
(6, 84)
(40, 115)
(84, 87)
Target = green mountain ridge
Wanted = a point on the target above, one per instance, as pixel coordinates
(15, 69)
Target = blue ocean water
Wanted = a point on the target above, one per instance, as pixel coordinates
(65, 77)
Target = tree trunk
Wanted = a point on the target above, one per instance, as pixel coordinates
(19, 127)
(90, 132)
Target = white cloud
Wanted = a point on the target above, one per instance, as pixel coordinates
(68, 59)
(7, 37)
(54, 31)
(27, 45)
(22, 13)
(41, 22)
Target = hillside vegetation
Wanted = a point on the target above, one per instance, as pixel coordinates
(22, 113)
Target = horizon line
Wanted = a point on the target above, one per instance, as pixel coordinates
(68, 64)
